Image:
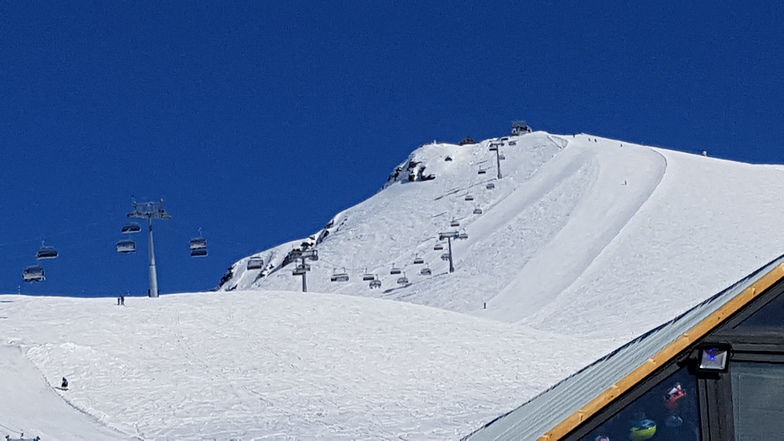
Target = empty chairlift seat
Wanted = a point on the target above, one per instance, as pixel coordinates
(403, 280)
(198, 246)
(255, 263)
(339, 276)
(425, 271)
(46, 252)
(33, 273)
(131, 227)
(367, 276)
(477, 210)
(126, 246)
(300, 269)
(395, 270)
(418, 260)
(198, 243)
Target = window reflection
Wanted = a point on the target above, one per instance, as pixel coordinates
(757, 389)
(667, 412)
(770, 316)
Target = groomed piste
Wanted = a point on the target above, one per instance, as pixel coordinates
(583, 244)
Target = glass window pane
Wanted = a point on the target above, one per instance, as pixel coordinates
(757, 391)
(669, 411)
(771, 316)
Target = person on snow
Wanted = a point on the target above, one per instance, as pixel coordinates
(65, 383)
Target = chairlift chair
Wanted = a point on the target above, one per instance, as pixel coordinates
(493, 147)
(477, 210)
(255, 263)
(342, 277)
(298, 271)
(445, 256)
(462, 235)
(126, 246)
(339, 277)
(367, 276)
(490, 186)
(469, 197)
(425, 271)
(501, 157)
(395, 270)
(198, 246)
(438, 246)
(418, 260)
(482, 171)
(34, 273)
(198, 243)
(402, 280)
(454, 223)
(46, 252)
(131, 227)
(375, 283)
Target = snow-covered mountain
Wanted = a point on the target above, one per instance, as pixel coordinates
(576, 225)
(582, 244)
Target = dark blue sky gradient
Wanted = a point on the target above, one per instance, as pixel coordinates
(257, 121)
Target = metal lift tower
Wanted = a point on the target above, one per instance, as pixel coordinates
(303, 268)
(150, 211)
(449, 236)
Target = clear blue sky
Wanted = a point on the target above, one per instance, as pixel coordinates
(257, 121)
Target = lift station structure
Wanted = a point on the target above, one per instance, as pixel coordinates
(150, 210)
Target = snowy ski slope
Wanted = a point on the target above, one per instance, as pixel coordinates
(583, 244)
(572, 215)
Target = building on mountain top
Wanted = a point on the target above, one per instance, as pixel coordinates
(520, 128)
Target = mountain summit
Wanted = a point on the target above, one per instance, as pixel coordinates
(568, 227)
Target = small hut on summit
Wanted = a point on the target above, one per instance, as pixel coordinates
(520, 128)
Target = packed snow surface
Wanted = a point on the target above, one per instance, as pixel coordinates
(577, 228)
(575, 246)
(266, 365)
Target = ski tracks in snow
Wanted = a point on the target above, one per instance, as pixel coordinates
(592, 225)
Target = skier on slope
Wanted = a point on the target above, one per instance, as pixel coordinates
(64, 384)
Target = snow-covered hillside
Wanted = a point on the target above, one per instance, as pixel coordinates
(581, 245)
(576, 225)
(251, 365)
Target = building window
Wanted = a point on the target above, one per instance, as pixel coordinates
(768, 318)
(757, 404)
(668, 411)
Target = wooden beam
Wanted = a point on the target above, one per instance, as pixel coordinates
(664, 356)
